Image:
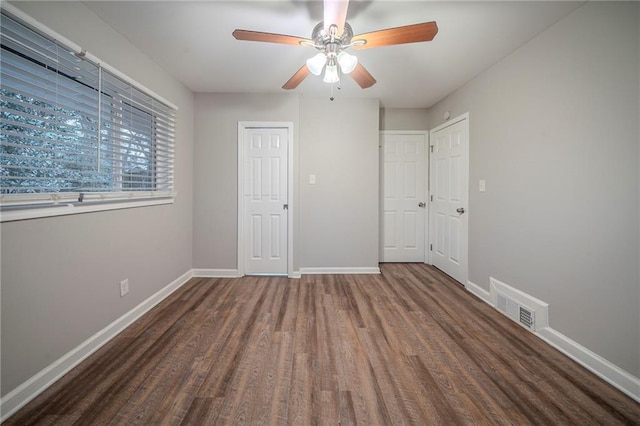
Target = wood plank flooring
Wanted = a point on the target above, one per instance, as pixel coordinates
(409, 346)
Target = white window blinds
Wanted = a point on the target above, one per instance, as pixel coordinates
(71, 129)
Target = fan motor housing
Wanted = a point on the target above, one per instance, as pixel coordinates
(321, 38)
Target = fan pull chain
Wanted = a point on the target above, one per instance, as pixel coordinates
(338, 86)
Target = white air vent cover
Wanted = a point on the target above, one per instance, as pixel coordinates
(514, 310)
(516, 305)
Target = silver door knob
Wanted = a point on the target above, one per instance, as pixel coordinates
(460, 210)
(421, 204)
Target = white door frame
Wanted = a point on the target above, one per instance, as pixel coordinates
(426, 185)
(451, 122)
(242, 126)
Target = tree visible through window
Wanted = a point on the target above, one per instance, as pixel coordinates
(69, 126)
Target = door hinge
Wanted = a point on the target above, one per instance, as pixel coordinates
(430, 247)
(431, 198)
(431, 146)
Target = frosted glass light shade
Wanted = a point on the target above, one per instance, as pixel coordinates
(347, 62)
(331, 74)
(316, 63)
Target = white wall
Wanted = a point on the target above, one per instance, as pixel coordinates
(339, 214)
(342, 153)
(60, 276)
(554, 131)
(403, 119)
(215, 211)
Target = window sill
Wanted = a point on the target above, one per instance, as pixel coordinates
(64, 209)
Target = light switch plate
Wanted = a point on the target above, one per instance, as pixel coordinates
(312, 179)
(124, 287)
(482, 185)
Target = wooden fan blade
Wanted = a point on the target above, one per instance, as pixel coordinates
(335, 13)
(297, 78)
(362, 76)
(268, 37)
(425, 31)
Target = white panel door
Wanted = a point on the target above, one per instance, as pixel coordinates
(404, 196)
(449, 189)
(265, 201)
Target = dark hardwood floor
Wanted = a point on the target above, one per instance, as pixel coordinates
(409, 346)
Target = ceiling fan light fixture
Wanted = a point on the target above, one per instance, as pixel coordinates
(316, 63)
(347, 62)
(332, 37)
(331, 73)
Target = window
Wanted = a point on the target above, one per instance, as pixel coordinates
(73, 130)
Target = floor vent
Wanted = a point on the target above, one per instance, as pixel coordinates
(514, 310)
(527, 318)
(517, 306)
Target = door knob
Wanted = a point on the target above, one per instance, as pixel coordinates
(460, 210)
(421, 204)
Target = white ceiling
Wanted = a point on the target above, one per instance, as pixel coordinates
(192, 41)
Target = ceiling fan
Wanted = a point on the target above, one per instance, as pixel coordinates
(332, 37)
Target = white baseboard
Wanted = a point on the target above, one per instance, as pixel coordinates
(228, 273)
(339, 270)
(479, 291)
(295, 275)
(28, 390)
(607, 371)
(215, 273)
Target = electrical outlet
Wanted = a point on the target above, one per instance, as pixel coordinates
(124, 287)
